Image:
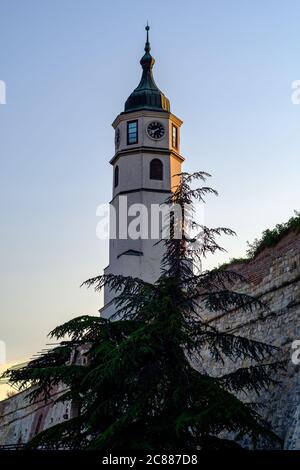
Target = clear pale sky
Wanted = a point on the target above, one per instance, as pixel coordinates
(227, 68)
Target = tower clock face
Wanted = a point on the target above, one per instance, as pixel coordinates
(117, 137)
(155, 130)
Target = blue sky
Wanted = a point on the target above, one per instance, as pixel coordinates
(227, 68)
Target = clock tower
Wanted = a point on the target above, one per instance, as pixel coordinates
(145, 164)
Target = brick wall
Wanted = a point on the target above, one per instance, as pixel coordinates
(274, 277)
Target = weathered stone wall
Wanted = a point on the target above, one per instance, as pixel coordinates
(274, 278)
(21, 420)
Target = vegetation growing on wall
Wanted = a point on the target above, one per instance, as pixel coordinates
(269, 239)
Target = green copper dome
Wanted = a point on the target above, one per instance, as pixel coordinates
(147, 95)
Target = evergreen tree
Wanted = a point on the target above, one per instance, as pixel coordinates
(144, 385)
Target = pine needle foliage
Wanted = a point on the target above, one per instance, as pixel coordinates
(145, 384)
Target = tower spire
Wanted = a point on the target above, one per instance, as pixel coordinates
(147, 45)
(147, 95)
(147, 61)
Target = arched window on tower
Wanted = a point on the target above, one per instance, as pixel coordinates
(156, 170)
(116, 177)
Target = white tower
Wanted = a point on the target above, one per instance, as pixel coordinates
(147, 158)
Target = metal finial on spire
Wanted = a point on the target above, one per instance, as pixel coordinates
(147, 45)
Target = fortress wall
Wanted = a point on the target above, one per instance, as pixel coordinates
(21, 420)
(274, 277)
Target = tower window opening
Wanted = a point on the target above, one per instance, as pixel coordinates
(116, 177)
(174, 136)
(156, 169)
(132, 132)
